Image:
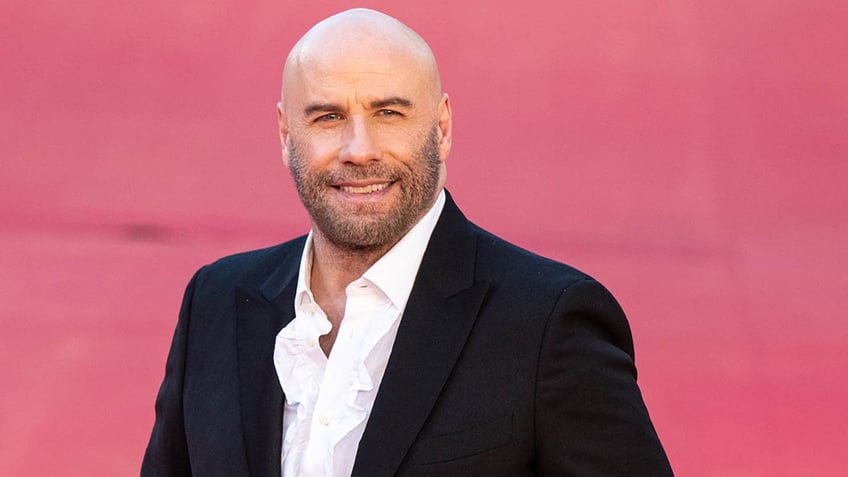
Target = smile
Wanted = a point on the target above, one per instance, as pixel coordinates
(368, 189)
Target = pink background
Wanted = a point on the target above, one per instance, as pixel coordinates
(692, 155)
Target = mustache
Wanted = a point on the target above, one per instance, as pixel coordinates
(349, 172)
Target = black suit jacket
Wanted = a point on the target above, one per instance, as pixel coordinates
(505, 363)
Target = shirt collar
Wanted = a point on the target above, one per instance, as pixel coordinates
(394, 273)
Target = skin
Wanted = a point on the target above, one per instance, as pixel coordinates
(365, 130)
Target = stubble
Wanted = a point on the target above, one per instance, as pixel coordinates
(367, 227)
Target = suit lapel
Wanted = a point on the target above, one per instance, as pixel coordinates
(260, 314)
(440, 313)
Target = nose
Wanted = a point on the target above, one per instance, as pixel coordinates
(359, 144)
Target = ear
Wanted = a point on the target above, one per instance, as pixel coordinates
(283, 131)
(445, 127)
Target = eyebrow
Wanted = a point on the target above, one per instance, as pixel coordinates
(392, 101)
(313, 108)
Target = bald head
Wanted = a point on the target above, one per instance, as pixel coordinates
(361, 39)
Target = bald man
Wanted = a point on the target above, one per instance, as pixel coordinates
(396, 338)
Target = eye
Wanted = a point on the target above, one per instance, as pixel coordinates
(388, 112)
(328, 117)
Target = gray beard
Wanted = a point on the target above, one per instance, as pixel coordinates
(365, 230)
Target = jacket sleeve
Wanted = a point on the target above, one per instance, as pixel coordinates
(167, 451)
(590, 416)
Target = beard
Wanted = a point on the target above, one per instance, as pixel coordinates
(369, 227)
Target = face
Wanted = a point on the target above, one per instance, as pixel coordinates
(365, 142)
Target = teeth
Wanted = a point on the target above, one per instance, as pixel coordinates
(364, 190)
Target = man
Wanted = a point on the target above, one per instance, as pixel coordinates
(396, 338)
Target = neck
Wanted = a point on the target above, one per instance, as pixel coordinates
(334, 268)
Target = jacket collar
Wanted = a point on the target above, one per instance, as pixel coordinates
(439, 315)
(261, 312)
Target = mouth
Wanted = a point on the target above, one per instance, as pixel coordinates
(363, 189)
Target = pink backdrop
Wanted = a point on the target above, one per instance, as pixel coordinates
(692, 155)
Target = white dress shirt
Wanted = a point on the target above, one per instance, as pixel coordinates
(328, 400)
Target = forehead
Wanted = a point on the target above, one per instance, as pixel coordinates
(364, 71)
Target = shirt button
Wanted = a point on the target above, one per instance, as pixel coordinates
(324, 420)
(310, 342)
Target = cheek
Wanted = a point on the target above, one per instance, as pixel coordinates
(401, 143)
(315, 149)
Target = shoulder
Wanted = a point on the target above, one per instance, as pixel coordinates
(457, 243)
(251, 267)
(500, 260)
